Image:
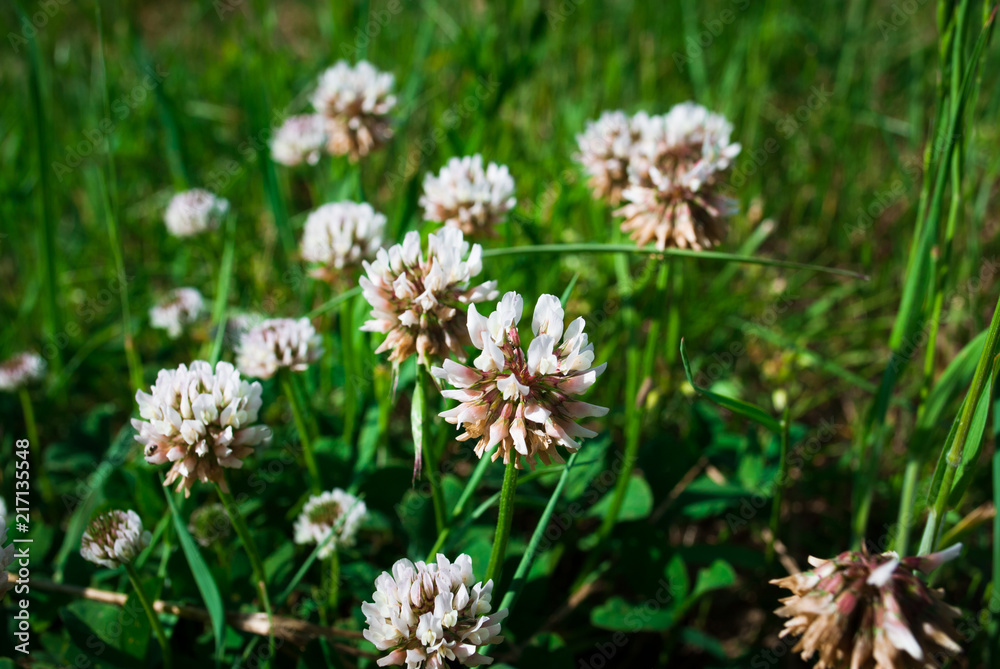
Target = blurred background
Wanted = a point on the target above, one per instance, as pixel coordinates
(833, 103)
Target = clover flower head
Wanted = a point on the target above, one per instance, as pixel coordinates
(522, 403)
(194, 211)
(416, 300)
(870, 611)
(340, 235)
(355, 102)
(114, 538)
(605, 148)
(6, 556)
(427, 615)
(20, 370)
(209, 524)
(180, 307)
(299, 140)
(674, 177)
(202, 420)
(466, 196)
(334, 511)
(278, 343)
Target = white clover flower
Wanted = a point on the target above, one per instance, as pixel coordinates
(429, 614)
(605, 148)
(465, 196)
(355, 101)
(114, 538)
(322, 514)
(340, 235)
(522, 402)
(299, 140)
(674, 174)
(415, 300)
(22, 369)
(6, 556)
(181, 307)
(201, 420)
(278, 343)
(194, 211)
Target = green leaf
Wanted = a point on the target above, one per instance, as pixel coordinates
(719, 575)
(618, 615)
(974, 441)
(638, 502)
(202, 575)
(745, 409)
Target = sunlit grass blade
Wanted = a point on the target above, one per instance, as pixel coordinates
(332, 304)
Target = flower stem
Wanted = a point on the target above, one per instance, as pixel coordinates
(239, 524)
(781, 482)
(222, 289)
(470, 488)
(504, 519)
(300, 424)
(350, 374)
(333, 596)
(419, 424)
(154, 620)
(48, 492)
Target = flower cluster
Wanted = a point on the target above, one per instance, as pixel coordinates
(194, 211)
(299, 140)
(466, 196)
(340, 235)
(429, 614)
(416, 300)
(181, 307)
(201, 420)
(872, 611)
(114, 538)
(278, 343)
(355, 103)
(522, 403)
(6, 556)
(19, 371)
(673, 174)
(605, 148)
(334, 511)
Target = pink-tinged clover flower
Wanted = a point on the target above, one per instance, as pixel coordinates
(523, 402)
(355, 102)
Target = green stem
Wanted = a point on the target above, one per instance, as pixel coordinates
(154, 620)
(504, 520)
(419, 424)
(681, 253)
(954, 453)
(781, 481)
(334, 592)
(41, 475)
(470, 488)
(350, 369)
(298, 414)
(524, 566)
(222, 289)
(906, 503)
(239, 524)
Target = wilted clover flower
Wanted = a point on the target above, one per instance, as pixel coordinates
(19, 371)
(332, 511)
(6, 556)
(428, 614)
(201, 420)
(194, 211)
(181, 307)
(278, 343)
(605, 148)
(523, 402)
(299, 140)
(465, 196)
(355, 102)
(674, 175)
(209, 524)
(416, 301)
(870, 611)
(341, 235)
(114, 538)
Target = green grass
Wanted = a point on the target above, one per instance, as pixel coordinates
(826, 377)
